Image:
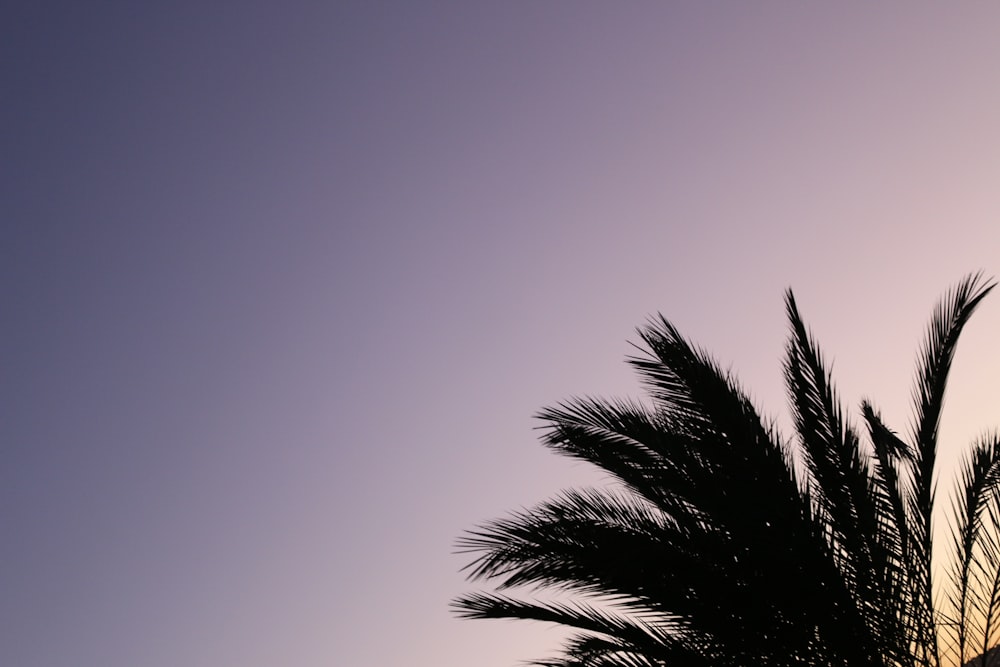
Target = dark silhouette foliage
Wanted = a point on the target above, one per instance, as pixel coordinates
(726, 544)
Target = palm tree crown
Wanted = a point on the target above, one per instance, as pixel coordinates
(724, 544)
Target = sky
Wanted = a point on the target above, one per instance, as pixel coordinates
(282, 285)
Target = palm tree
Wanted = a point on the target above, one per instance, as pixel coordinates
(725, 544)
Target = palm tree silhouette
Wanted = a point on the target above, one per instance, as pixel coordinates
(725, 544)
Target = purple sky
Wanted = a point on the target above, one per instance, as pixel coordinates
(282, 284)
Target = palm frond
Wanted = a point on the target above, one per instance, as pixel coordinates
(711, 548)
(729, 444)
(898, 570)
(590, 651)
(835, 462)
(623, 439)
(631, 629)
(973, 542)
(938, 350)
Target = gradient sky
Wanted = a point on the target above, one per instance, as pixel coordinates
(283, 283)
